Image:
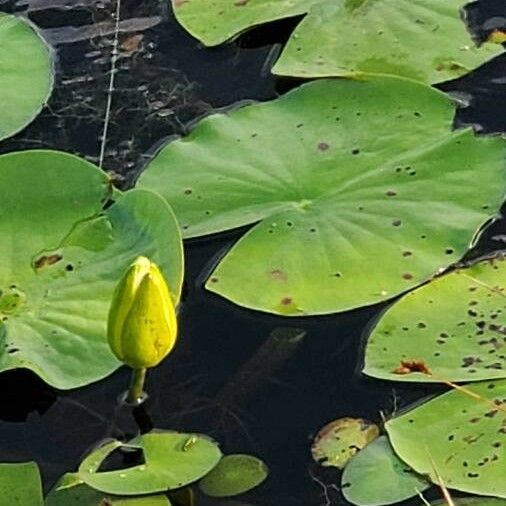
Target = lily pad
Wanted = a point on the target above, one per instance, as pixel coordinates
(473, 501)
(20, 484)
(26, 73)
(455, 325)
(460, 435)
(338, 441)
(62, 256)
(172, 460)
(234, 475)
(361, 191)
(424, 40)
(376, 476)
(82, 495)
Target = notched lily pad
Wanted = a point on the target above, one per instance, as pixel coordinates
(62, 255)
(338, 441)
(424, 40)
(171, 460)
(80, 494)
(344, 217)
(455, 325)
(376, 476)
(20, 484)
(26, 73)
(234, 475)
(461, 435)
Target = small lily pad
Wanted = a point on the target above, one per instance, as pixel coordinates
(424, 40)
(455, 325)
(473, 501)
(234, 475)
(62, 255)
(341, 216)
(20, 484)
(338, 441)
(376, 476)
(172, 460)
(461, 435)
(82, 495)
(26, 73)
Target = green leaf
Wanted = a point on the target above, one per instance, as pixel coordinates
(424, 40)
(234, 475)
(456, 325)
(473, 501)
(360, 189)
(61, 258)
(376, 476)
(337, 442)
(26, 74)
(172, 460)
(460, 434)
(20, 484)
(82, 495)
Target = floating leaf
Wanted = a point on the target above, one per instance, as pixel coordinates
(172, 460)
(473, 501)
(361, 191)
(20, 484)
(376, 476)
(424, 40)
(461, 435)
(82, 495)
(234, 475)
(456, 325)
(26, 74)
(61, 258)
(338, 441)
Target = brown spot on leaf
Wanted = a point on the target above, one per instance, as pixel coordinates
(410, 366)
(323, 146)
(286, 301)
(278, 274)
(46, 260)
(407, 276)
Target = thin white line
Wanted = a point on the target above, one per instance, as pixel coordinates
(114, 59)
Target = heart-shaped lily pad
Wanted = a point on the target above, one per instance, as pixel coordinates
(337, 442)
(460, 435)
(172, 460)
(361, 189)
(61, 257)
(26, 74)
(424, 40)
(455, 325)
(234, 475)
(83, 495)
(20, 484)
(376, 476)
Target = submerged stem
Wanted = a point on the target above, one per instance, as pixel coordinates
(136, 392)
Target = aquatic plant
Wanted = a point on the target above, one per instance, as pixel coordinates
(26, 73)
(424, 40)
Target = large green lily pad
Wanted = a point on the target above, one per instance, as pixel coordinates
(361, 191)
(459, 436)
(20, 484)
(26, 74)
(172, 460)
(455, 325)
(83, 495)
(61, 256)
(425, 40)
(376, 476)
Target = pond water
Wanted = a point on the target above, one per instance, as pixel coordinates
(230, 376)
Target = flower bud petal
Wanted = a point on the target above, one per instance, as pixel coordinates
(150, 328)
(122, 301)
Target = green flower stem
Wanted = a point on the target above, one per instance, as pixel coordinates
(136, 385)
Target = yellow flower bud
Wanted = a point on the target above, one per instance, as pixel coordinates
(142, 326)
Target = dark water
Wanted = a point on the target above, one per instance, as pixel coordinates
(166, 81)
